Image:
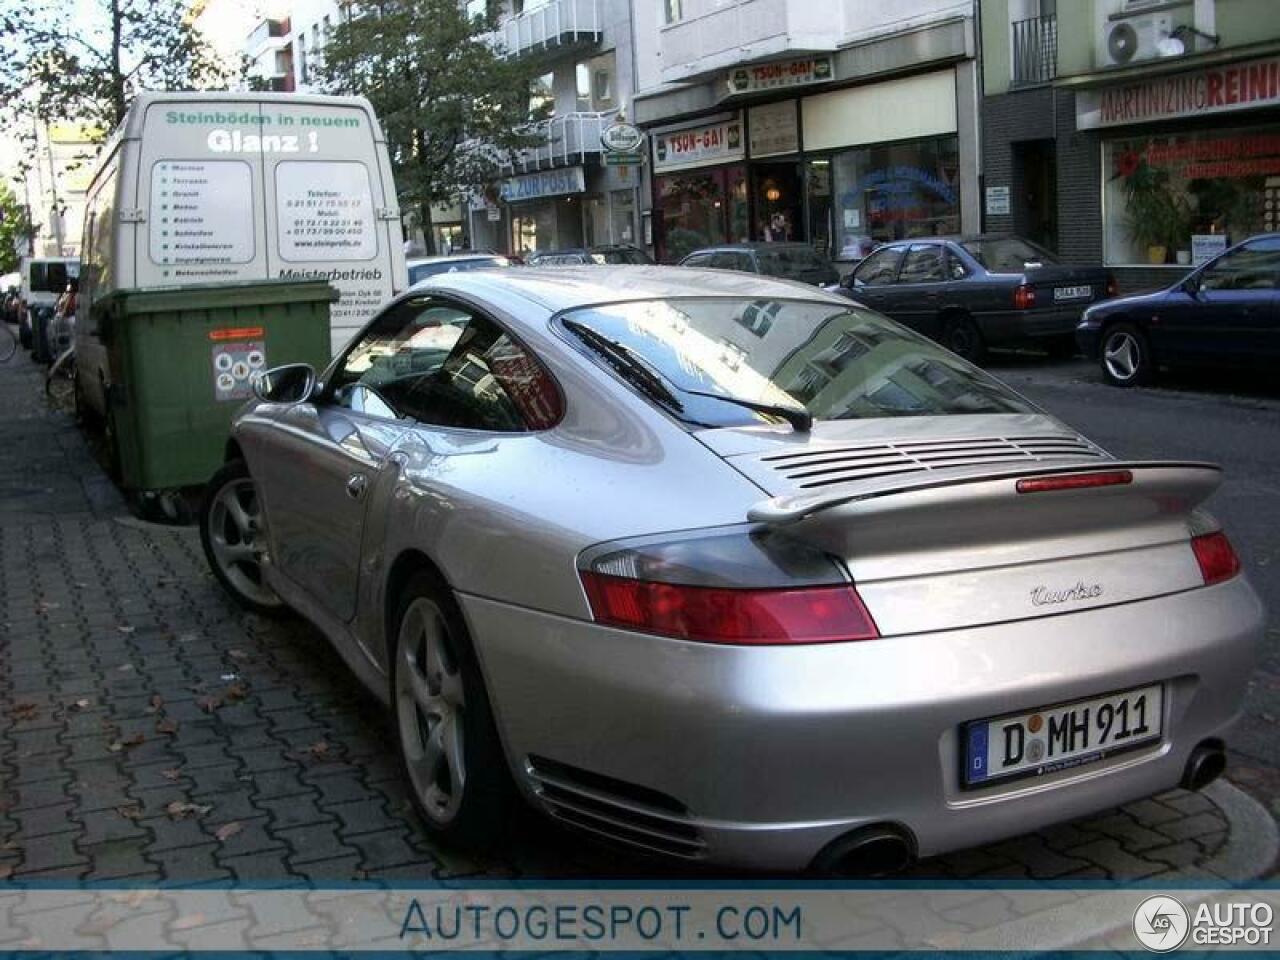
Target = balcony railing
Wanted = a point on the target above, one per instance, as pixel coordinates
(563, 141)
(266, 31)
(552, 27)
(1035, 50)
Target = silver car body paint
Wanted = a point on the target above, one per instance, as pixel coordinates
(772, 751)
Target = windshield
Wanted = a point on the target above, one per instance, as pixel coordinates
(1008, 254)
(839, 363)
(791, 263)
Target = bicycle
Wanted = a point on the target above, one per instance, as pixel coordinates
(8, 341)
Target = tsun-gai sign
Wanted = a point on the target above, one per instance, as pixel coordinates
(782, 73)
(698, 146)
(1241, 86)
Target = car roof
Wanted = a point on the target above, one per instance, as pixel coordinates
(753, 245)
(563, 288)
(452, 258)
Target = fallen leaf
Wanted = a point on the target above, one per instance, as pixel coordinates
(173, 773)
(82, 704)
(126, 629)
(125, 668)
(115, 746)
(180, 809)
(237, 654)
(24, 710)
(166, 726)
(229, 830)
(134, 739)
(235, 692)
(131, 812)
(186, 923)
(44, 605)
(157, 702)
(319, 749)
(209, 704)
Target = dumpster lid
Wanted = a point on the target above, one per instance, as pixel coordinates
(232, 293)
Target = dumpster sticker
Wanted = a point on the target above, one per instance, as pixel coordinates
(234, 364)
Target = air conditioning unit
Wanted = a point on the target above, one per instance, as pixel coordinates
(1129, 33)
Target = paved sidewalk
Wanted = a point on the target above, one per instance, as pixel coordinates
(151, 731)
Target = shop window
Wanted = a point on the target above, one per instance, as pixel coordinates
(880, 267)
(895, 191)
(701, 208)
(1166, 198)
(924, 263)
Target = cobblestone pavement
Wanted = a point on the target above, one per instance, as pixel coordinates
(151, 731)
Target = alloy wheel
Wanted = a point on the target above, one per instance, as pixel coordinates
(236, 540)
(1122, 355)
(431, 710)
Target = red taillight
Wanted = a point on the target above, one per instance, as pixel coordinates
(1216, 556)
(1113, 288)
(1024, 297)
(811, 614)
(1075, 481)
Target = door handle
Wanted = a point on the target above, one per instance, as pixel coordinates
(357, 483)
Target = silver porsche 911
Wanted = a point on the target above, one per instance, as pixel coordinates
(732, 569)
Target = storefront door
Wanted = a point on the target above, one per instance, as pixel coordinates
(777, 194)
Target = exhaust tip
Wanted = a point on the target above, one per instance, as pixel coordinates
(879, 850)
(1206, 764)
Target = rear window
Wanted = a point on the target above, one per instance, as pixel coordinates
(791, 262)
(636, 257)
(51, 276)
(423, 270)
(1008, 254)
(839, 362)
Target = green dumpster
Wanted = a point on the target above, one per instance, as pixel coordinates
(181, 362)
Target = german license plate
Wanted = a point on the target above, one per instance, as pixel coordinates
(1072, 293)
(1061, 737)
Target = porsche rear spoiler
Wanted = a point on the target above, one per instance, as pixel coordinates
(1145, 486)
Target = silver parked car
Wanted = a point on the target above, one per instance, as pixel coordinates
(729, 568)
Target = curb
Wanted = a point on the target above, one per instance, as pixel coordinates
(1253, 843)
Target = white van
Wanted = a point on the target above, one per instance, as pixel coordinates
(197, 188)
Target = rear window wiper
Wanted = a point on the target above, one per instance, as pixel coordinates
(639, 373)
(801, 420)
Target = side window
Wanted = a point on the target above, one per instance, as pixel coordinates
(1255, 266)
(879, 268)
(924, 263)
(956, 270)
(728, 260)
(698, 260)
(446, 366)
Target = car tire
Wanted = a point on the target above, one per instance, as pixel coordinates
(448, 741)
(24, 334)
(1125, 356)
(231, 532)
(963, 338)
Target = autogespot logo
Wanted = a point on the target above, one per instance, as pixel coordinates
(1161, 923)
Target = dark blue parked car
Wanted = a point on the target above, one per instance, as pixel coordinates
(1224, 313)
(969, 293)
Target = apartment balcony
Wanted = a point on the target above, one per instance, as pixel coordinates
(555, 28)
(267, 35)
(1035, 51)
(716, 36)
(562, 142)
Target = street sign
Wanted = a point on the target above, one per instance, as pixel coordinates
(623, 159)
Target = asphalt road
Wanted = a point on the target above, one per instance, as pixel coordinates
(1226, 419)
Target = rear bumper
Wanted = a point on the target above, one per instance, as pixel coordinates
(775, 752)
(1031, 324)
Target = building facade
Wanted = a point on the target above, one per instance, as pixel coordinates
(1140, 134)
(842, 124)
(561, 193)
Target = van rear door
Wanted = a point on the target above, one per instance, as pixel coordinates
(199, 181)
(331, 206)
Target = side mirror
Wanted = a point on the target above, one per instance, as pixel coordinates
(292, 383)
